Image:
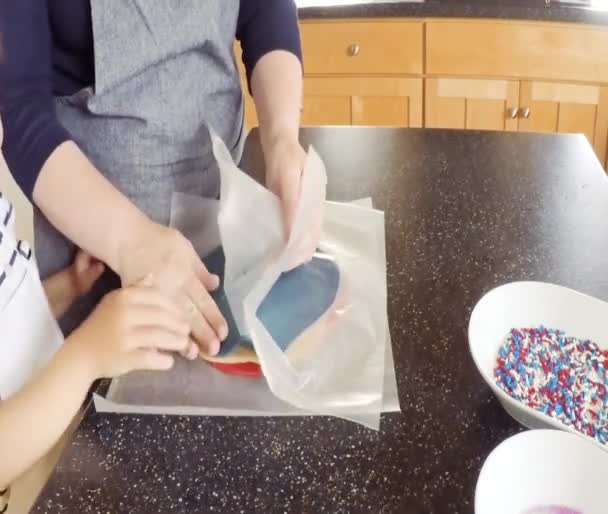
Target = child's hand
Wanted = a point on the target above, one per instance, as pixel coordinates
(132, 329)
(64, 287)
(84, 272)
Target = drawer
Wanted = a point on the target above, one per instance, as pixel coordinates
(349, 47)
(550, 51)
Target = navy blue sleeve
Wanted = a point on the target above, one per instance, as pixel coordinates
(267, 25)
(31, 128)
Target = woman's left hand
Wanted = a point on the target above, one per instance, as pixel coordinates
(285, 161)
(171, 264)
(284, 167)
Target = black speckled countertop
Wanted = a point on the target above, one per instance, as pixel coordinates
(465, 212)
(505, 9)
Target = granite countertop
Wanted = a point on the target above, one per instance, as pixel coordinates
(465, 212)
(507, 9)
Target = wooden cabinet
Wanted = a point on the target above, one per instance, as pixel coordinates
(356, 101)
(251, 118)
(532, 106)
(566, 108)
(362, 101)
(455, 73)
(517, 49)
(553, 74)
(471, 103)
(360, 73)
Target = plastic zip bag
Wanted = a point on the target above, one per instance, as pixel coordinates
(343, 371)
(347, 372)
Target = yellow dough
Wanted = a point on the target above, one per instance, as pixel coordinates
(238, 356)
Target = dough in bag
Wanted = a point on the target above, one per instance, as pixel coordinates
(302, 298)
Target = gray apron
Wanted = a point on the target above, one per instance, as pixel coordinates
(165, 73)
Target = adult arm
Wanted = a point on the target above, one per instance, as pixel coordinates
(72, 194)
(270, 39)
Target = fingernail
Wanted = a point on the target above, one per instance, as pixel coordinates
(215, 282)
(214, 347)
(193, 352)
(223, 332)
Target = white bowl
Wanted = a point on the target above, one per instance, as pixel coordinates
(542, 468)
(532, 304)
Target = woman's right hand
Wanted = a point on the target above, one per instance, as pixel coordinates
(166, 255)
(134, 328)
(98, 218)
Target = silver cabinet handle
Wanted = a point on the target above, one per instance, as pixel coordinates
(353, 50)
(525, 112)
(512, 112)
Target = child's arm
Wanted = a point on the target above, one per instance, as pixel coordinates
(64, 287)
(131, 329)
(34, 419)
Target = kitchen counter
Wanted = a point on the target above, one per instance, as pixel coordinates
(465, 212)
(507, 9)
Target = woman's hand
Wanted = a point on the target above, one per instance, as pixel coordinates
(65, 286)
(169, 258)
(93, 214)
(84, 272)
(276, 84)
(284, 166)
(285, 160)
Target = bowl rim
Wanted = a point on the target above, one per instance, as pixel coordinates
(528, 433)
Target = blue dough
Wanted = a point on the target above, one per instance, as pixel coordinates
(298, 299)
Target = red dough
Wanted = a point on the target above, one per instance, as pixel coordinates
(243, 369)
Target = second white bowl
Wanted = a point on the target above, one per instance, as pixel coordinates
(543, 472)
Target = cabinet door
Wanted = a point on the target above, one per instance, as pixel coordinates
(251, 117)
(471, 103)
(372, 101)
(567, 108)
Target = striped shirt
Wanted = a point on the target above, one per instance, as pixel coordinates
(13, 256)
(13, 253)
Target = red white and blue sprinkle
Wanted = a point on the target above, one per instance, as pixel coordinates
(561, 376)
